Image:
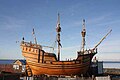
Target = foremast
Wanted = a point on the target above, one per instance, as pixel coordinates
(58, 30)
(33, 33)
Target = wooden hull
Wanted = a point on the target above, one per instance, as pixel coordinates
(41, 62)
(61, 69)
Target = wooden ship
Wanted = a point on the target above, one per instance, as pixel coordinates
(38, 61)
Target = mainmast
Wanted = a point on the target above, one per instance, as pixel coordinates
(83, 33)
(58, 30)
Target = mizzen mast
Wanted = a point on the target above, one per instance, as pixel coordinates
(58, 30)
(83, 33)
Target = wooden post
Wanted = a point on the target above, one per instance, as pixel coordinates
(42, 56)
(39, 56)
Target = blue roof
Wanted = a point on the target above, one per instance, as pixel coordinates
(7, 61)
(23, 61)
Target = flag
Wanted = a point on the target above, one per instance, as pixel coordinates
(23, 39)
(60, 44)
(33, 31)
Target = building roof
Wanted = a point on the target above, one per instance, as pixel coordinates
(22, 61)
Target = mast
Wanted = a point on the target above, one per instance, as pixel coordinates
(58, 30)
(33, 33)
(83, 33)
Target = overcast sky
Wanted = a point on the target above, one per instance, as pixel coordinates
(19, 17)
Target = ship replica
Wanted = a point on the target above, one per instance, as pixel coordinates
(38, 61)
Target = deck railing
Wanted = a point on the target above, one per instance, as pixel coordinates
(30, 44)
